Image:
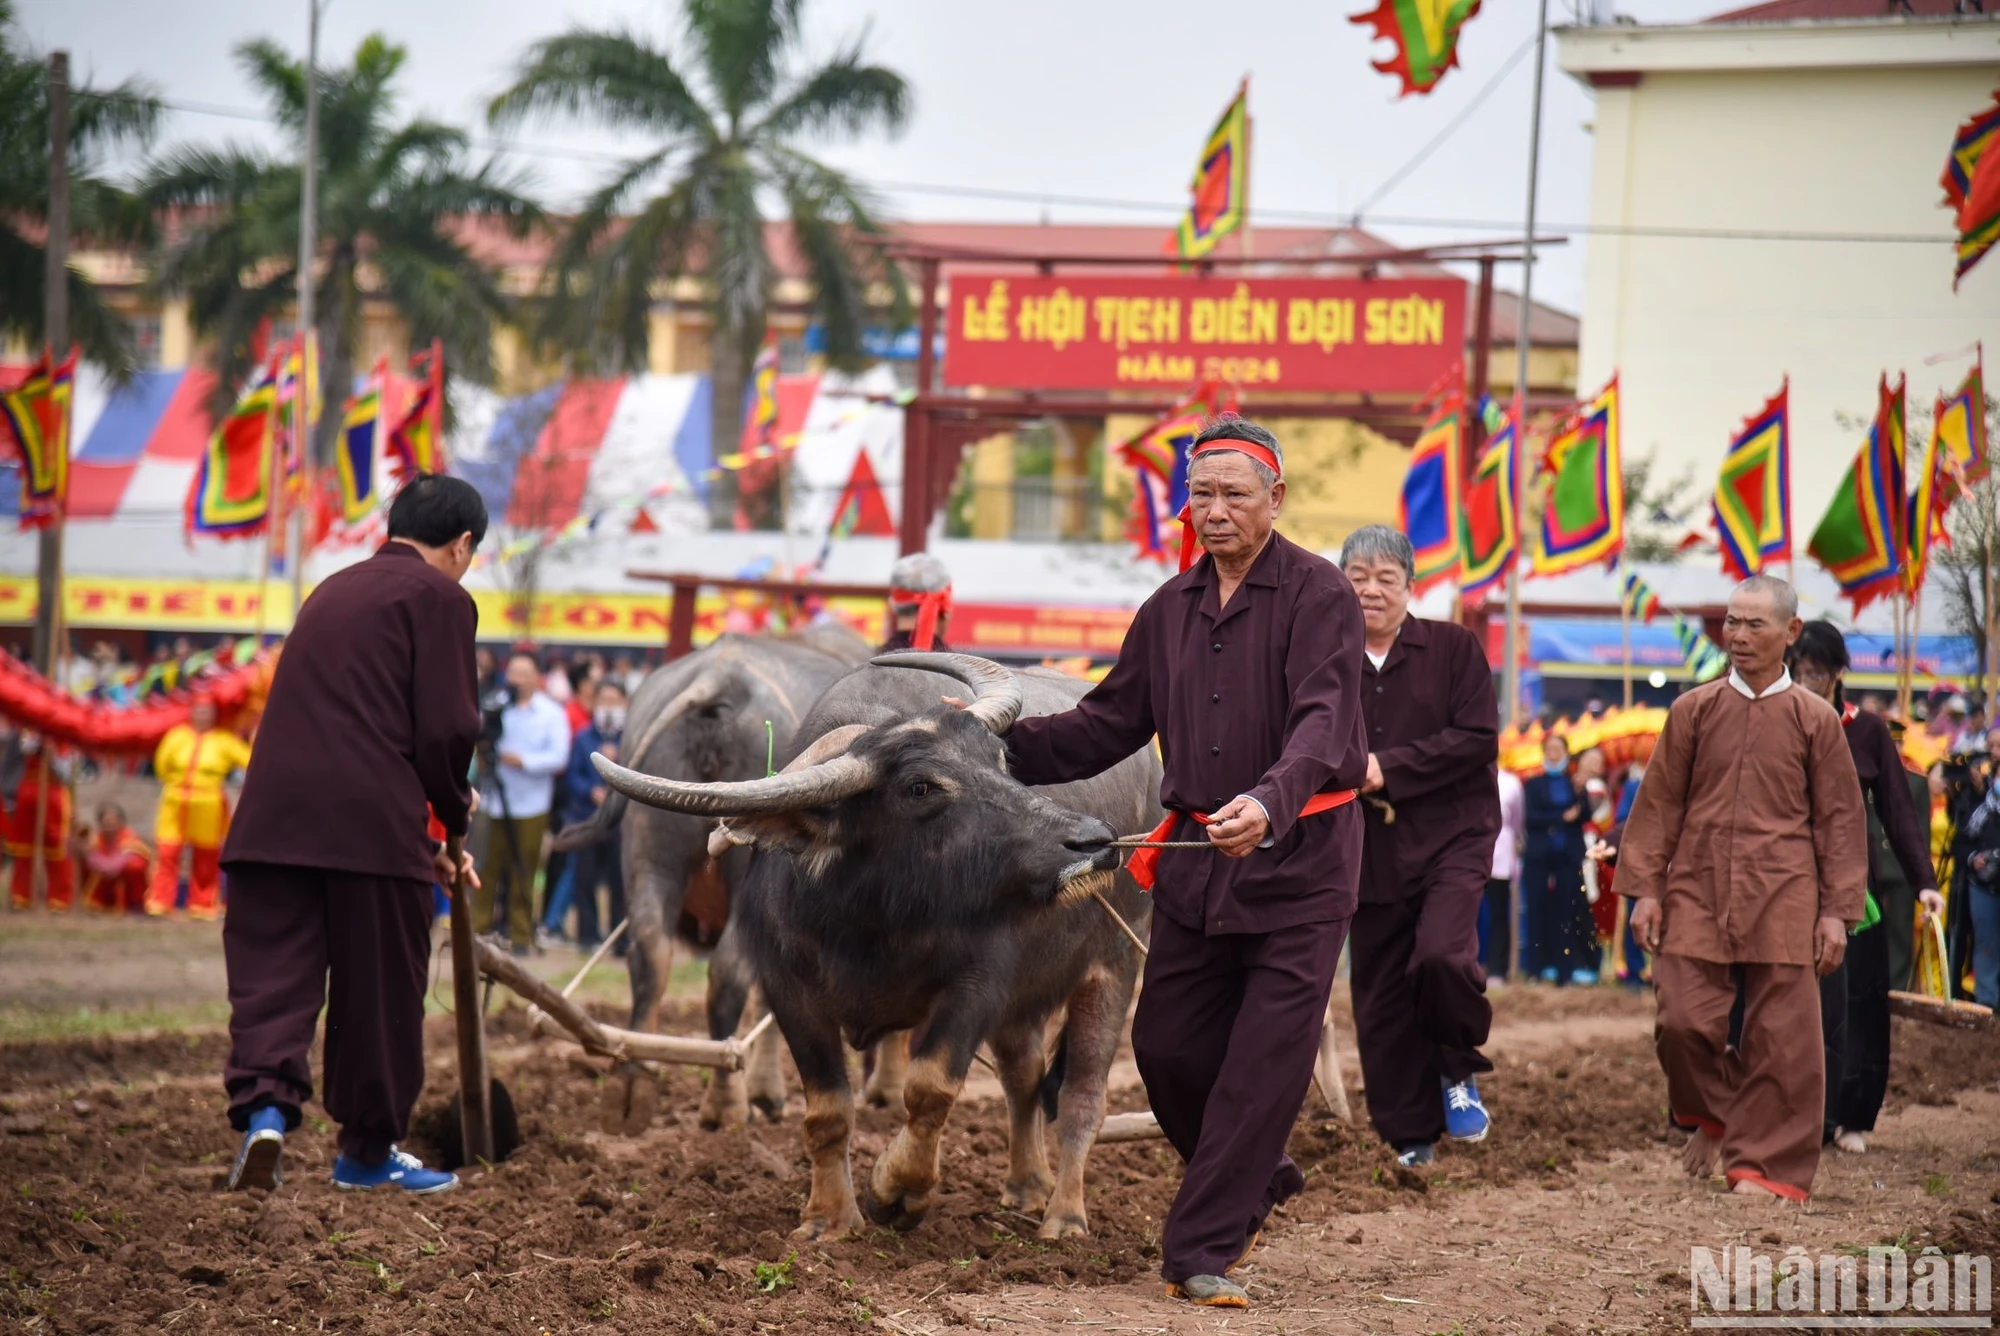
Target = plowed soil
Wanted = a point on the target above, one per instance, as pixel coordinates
(111, 1151)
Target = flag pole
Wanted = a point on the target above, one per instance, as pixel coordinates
(1625, 634)
(1510, 665)
(55, 326)
(308, 246)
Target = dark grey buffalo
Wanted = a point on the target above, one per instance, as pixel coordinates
(716, 715)
(903, 881)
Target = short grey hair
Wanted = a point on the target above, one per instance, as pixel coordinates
(1230, 427)
(1379, 542)
(1784, 598)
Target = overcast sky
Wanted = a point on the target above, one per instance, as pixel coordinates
(1056, 99)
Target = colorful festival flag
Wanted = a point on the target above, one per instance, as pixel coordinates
(1705, 659)
(1978, 215)
(35, 417)
(1959, 426)
(1638, 597)
(1158, 457)
(416, 442)
(1221, 184)
(760, 429)
(1425, 33)
(1861, 538)
(1487, 540)
(1583, 513)
(862, 508)
(231, 495)
(1753, 495)
(1429, 503)
(360, 435)
(1967, 145)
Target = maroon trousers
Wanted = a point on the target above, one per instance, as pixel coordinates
(288, 930)
(1420, 1008)
(1225, 1037)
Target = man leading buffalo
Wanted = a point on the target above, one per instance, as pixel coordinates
(1420, 1009)
(1247, 666)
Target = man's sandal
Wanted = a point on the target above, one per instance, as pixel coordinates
(1210, 1292)
(1256, 1237)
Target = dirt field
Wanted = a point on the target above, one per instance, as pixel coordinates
(1571, 1219)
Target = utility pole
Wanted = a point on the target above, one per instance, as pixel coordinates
(55, 326)
(308, 246)
(1510, 662)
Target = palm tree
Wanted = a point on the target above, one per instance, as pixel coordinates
(726, 110)
(98, 120)
(392, 200)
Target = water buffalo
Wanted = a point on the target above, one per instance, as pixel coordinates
(714, 715)
(904, 881)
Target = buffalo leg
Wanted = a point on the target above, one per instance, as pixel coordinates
(633, 1093)
(1018, 1052)
(889, 1066)
(906, 1176)
(1091, 1033)
(765, 1069)
(831, 1211)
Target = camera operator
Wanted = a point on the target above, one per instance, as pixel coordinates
(531, 750)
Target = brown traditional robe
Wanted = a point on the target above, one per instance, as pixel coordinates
(374, 712)
(1748, 830)
(1258, 697)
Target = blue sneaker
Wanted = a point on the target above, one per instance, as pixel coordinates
(1464, 1116)
(260, 1159)
(1583, 978)
(401, 1169)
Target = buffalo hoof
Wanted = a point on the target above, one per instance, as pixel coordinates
(902, 1214)
(815, 1228)
(884, 1095)
(631, 1096)
(1063, 1227)
(772, 1107)
(1028, 1198)
(724, 1107)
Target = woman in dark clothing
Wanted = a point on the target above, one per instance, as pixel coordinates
(1561, 937)
(1854, 999)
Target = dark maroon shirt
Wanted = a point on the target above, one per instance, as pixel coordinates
(374, 711)
(1879, 765)
(1434, 726)
(1258, 698)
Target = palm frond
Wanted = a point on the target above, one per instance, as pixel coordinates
(845, 95)
(615, 79)
(105, 338)
(836, 231)
(279, 77)
(742, 45)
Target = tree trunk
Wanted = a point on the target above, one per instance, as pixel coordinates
(729, 372)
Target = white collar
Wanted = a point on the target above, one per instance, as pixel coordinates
(1783, 683)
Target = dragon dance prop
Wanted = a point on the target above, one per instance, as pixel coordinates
(31, 702)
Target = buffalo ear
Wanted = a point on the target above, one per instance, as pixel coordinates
(790, 832)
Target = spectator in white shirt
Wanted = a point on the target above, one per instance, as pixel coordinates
(533, 749)
(1498, 937)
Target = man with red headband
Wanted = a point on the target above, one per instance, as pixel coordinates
(1247, 667)
(194, 761)
(919, 603)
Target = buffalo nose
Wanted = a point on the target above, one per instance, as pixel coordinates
(1089, 835)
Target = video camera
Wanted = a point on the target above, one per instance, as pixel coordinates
(491, 706)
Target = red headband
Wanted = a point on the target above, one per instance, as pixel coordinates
(1263, 454)
(931, 605)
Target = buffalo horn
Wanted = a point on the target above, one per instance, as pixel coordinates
(996, 700)
(829, 781)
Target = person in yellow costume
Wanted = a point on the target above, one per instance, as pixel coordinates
(195, 759)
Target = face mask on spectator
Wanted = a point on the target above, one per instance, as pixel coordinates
(610, 719)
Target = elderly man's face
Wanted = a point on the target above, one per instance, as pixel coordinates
(1231, 507)
(1383, 588)
(1754, 633)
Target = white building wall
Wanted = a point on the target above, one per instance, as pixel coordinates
(1702, 330)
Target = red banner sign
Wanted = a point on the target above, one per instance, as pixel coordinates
(1384, 335)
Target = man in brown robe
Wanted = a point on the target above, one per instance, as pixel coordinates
(1247, 666)
(373, 713)
(1746, 860)
(1420, 1009)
